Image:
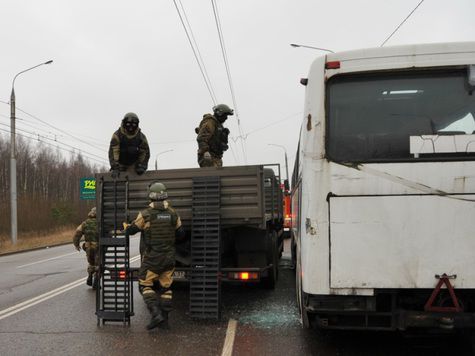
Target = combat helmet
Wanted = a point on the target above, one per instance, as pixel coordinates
(157, 191)
(130, 122)
(222, 110)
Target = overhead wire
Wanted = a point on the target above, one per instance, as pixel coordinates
(41, 137)
(246, 135)
(54, 127)
(399, 26)
(25, 122)
(195, 50)
(55, 146)
(198, 52)
(228, 73)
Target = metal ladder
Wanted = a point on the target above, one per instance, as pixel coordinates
(114, 295)
(205, 285)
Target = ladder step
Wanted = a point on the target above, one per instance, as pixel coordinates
(205, 248)
(115, 296)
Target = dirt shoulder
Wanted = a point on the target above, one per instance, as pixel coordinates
(32, 241)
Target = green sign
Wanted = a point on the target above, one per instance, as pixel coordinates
(87, 188)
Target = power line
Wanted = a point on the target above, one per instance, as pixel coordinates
(397, 28)
(40, 137)
(228, 72)
(26, 122)
(197, 57)
(198, 51)
(54, 127)
(246, 135)
(58, 147)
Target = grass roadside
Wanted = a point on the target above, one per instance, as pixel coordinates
(30, 241)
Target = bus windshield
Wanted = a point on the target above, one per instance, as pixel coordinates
(371, 117)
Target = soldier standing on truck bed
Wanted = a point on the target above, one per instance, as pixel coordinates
(213, 137)
(161, 226)
(129, 147)
(88, 229)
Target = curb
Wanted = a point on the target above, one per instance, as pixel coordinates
(33, 249)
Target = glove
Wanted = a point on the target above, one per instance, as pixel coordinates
(77, 247)
(139, 169)
(207, 156)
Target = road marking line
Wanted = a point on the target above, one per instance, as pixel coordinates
(229, 340)
(41, 298)
(49, 259)
(5, 313)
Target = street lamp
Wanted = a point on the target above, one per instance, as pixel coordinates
(158, 154)
(286, 162)
(13, 192)
(318, 48)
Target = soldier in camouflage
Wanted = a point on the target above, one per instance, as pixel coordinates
(129, 150)
(88, 229)
(161, 226)
(213, 137)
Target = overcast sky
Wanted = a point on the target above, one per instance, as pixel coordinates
(112, 57)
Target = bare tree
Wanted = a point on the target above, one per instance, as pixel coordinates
(48, 187)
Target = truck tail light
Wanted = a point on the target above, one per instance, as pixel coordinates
(244, 276)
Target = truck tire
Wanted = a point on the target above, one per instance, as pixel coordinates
(270, 281)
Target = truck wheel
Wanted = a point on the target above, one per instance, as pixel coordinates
(271, 279)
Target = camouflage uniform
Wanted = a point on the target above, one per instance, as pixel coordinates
(129, 150)
(160, 224)
(212, 138)
(88, 229)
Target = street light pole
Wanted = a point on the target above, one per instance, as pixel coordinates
(13, 190)
(158, 154)
(286, 162)
(311, 47)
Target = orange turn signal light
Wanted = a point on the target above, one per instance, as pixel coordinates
(244, 276)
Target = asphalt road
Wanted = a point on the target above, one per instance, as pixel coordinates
(46, 309)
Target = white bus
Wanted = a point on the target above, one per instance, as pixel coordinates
(383, 189)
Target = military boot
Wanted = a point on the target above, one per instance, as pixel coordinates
(95, 282)
(164, 325)
(89, 279)
(157, 317)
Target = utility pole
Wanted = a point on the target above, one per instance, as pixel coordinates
(13, 190)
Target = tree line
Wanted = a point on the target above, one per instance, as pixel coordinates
(48, 186)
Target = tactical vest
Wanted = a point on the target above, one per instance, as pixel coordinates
(160, 236)
(219, 140)
(90, 230)
(129, 148)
